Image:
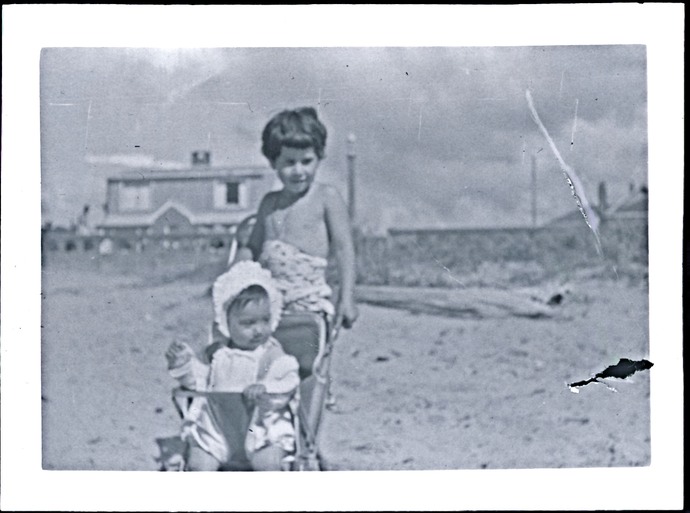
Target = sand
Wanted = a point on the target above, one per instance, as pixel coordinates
(414, 390)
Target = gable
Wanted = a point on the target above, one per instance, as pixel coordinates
(172, 220)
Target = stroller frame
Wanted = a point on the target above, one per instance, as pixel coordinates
(308, 337)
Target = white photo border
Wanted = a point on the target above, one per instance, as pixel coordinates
(28, 28)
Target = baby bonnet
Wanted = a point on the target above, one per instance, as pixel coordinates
(240, 276)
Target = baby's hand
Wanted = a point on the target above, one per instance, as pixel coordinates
(178, 354)
(254, 392)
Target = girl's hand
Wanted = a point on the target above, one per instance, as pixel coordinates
(178, 354)
(347, 314)
(254, 392)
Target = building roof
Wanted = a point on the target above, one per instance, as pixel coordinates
(144, 219)
(190, 173)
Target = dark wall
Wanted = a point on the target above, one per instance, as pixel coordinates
(469, 257)
(442, 258)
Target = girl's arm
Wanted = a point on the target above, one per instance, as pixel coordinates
(338, 222)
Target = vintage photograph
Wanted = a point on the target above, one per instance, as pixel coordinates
(348, 260)
(474, 220)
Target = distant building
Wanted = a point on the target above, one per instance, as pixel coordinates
(623, 228)
(631, 208)
(200, 199)
(635, 206)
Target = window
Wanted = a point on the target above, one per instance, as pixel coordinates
(232, 193)
(228, 194)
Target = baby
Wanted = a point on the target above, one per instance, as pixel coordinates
(298, 226)
(247, 308)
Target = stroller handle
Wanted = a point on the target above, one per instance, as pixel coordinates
(334, 334)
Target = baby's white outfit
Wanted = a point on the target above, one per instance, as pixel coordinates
(233, 370)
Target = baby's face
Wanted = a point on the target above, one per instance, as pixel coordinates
(296, 168)
(250, 326)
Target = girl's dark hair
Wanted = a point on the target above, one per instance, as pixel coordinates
(298, 128)
(252, 294)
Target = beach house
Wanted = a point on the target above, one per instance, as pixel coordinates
(200, 199)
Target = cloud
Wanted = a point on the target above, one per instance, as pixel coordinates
(126, 160)
(443, 134)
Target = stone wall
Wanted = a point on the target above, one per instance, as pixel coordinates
(442, 258)
(464, 257)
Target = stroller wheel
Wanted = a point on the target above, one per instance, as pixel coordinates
(309, 463)
(323, 465)
(175, 464)
(320, 464)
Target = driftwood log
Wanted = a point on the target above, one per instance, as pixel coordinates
(477, 303)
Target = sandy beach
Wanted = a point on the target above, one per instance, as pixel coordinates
(415, 390)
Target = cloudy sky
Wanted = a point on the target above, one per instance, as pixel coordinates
(444, 134)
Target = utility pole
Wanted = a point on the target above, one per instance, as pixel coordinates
(534, 191)
(351, 176)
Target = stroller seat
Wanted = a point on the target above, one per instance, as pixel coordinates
(304, 335)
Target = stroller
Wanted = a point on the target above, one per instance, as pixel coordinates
(308, 337)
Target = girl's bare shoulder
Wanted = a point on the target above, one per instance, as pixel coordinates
(268, 202)
(325, 191)
(330, 197)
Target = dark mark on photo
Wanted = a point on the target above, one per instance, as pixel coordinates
(623, 369)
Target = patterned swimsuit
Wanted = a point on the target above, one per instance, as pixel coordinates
(301, 277)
